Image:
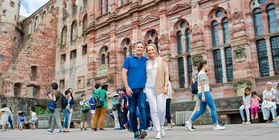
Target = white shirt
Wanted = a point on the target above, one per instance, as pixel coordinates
(151, 71)
(33, 116)
(169, 95)
(247, 100)
(202, 76)
(269, 93)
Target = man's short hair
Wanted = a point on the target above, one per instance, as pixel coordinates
(54, 85)
(82, 95)
(97, 86)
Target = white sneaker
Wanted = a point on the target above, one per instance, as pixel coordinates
(248, 122)
(188, 124)
(163, 132)
(218, 127)
(158, 136)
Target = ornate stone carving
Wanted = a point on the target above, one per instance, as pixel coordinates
(196, 60)
(102, 70)
(239, 53)
(239, 87)
(110, 79)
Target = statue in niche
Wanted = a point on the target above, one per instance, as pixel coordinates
(239, 86)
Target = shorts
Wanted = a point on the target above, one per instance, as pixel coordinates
(5, 119)
(84, 116)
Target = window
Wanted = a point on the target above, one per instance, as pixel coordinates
(219, 13)
(74, 31)
(152, 36)
(181, 75)
(214, 32)
(17, 89)
(107, 6)
(127, 47)
(274, 41)
(261, 1)
(179, 42)
(189, 67)
(80, 82)
(218, 66)
(229, 65)
(34, 70)
(84, 24)
(262, 58)
(84, 49)
(101, 7)
(4, 12)
(272, 18)
(104, 55)
(226, 32)
(73, 54)
(103, 59)
(62, 84)
(188, 41)
(122, 2)
(85, 4)
(63, 58)
(258, 23)
(64, 36)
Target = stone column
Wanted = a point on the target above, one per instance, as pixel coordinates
(225, 80)
(269, 55)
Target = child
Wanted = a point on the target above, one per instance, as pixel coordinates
(84, 112)
(20, 120)
(33, 119)
(5, 116)
(246, 106)
(92, 110)
(255, 105)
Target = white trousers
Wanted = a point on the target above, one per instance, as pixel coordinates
(157, 103)
(116, 120)
(266, 112)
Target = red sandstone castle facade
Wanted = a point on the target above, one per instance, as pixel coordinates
(82, 42)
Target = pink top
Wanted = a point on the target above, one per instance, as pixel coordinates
(254, 102)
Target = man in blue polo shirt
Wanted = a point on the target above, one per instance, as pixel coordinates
(134, 79)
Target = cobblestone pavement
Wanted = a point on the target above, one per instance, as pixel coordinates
(204, 132)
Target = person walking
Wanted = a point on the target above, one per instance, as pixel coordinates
(56, 96)
(156, 89)
(115, 103)
(168, 105)
(67, 111)
(205, 98)
(101, 106)
(134, 79)
(71, 101)
(84, 112)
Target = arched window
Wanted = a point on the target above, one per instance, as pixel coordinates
(36, 23)
(272, 18)
(226, 32)
(152, 37)
(104, 55)
(214, 32)
(222, 55)
(103, 59)
(127, 47)
(74, 32)
(64, 36)
(179, 42)
(84, 24)
(258, 23)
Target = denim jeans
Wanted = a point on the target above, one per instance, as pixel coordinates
(56, 121)
(247, 111)
(66, 117)
(168, 113)
(210, 102)
(137, 99)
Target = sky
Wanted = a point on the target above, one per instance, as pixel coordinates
(30, 6)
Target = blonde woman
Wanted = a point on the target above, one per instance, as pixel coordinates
(156, 88)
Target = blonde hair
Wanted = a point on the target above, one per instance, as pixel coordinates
(154, 46)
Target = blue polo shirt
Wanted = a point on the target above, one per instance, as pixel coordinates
(136, 74)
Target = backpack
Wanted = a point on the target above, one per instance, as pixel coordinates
(51, 106)
(98, 101)
(194, 87)
(64, 101)
(21, 119)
